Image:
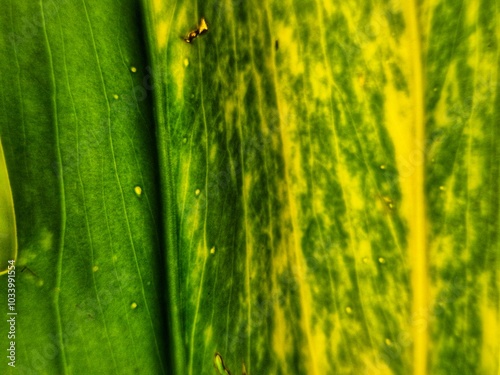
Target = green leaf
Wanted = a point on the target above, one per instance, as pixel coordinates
(77, 129)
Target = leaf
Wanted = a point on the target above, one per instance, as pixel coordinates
(77, 129)
(462, 186)
(311, 186)
(313, 233)
(299, 159)
(8, 238)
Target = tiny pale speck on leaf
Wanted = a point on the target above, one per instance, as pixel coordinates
(212, 250)
(197, 192)
(95, 268)
(184, 140)
(388, 342)
(39, 282)
(138, 190)
(186, 62)
(116, 96)
(133, 305)
(388, 201)
(382, 167)
(442, 188)
(133, 69)
(365, 260)
(381, 260)
(348, 310)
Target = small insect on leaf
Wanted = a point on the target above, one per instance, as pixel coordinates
(220, 366)
(192, 34)
(202, 28)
